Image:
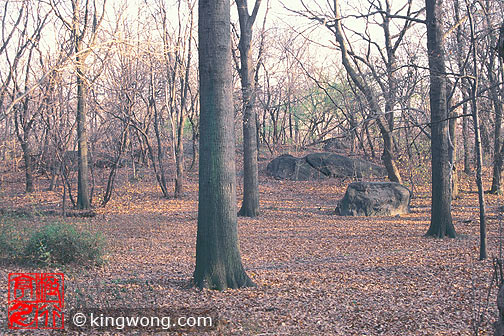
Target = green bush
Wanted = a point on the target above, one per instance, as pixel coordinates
(59, 243)
(11, 242)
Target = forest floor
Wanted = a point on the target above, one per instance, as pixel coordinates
(316, 273)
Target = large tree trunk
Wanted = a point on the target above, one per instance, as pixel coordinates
(83, 201)
(250, 204)
(441, 220)
(218, 260)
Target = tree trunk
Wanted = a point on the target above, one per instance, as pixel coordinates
(460, 54)
(25, 144)
(250, 204)
(83, 172)
(441, 220)
(83, 201)
(465, 136)
(499, 155)
(497, 105)
(160, 174)
(28, 166)
(179, 158)
(477, 140)
(453, 136)
(479, 177)
(218, 260)
(387, 156)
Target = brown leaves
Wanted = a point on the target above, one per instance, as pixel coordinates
(317, 273)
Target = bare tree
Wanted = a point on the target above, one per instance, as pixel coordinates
(386, 81)
(218, 260)
(83, 26)
(250, 204)
(477, 136)
(178, 58)
(20, 48)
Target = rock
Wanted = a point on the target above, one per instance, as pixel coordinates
(320, 166)
(374, 199)
(334, 165)
(288, 167)
(335, 145)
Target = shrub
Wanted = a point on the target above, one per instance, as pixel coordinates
(59, 243)
(11, 242)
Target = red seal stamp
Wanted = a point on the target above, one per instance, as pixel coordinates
(36, 300)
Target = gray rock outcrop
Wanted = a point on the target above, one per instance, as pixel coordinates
(317, 166)
(374, 199)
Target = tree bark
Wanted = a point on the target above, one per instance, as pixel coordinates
(218, 260)
(250, 204)
(83, 172)
(465, 136)
(453, 136)
(21, 123)
(441, 224)
(83, 201)
(29, 166)
(179, 160)
(497, 106)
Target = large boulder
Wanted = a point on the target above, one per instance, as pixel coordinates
(320, 166)
(334, 165)
(374, 199)
(288, 167)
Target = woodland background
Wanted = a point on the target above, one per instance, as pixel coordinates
(119, 81)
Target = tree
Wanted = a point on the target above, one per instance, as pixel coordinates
(21, 78)
(218, 260)
(84, 22)
(460, 49)
(177, 55)
(385, 127)
(441, 224)
(250, 204)
(497, 105)
(380, 93)
(477, 138)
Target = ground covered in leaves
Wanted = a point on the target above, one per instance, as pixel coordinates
(316, 273)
